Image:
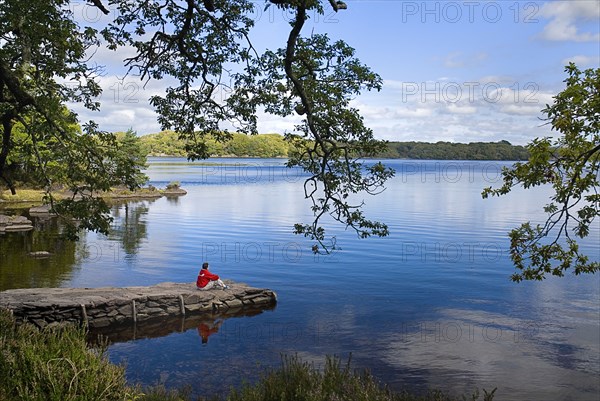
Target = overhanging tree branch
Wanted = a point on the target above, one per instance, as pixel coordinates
(570, 164)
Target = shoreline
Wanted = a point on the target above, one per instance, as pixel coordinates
(34, 197)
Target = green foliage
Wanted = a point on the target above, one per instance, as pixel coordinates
(570, 164)
(315, 78)
(167, 143)
(54, 364)
(300, 381)
(501, 150)
(43, 66)
(161, 393)
(129, 159)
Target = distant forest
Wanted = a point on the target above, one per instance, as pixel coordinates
(167, 143)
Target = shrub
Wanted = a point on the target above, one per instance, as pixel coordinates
(54, 364)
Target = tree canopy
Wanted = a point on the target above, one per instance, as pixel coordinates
(502, 150)
(47, 62)
(570, 164)
(167, 143)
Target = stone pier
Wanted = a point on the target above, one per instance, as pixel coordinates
(102, 307)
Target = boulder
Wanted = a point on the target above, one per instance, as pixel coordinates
(40, 254)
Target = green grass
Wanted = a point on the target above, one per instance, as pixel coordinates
(296, 380)
(55, 364)
(22, 195)
(36, 196)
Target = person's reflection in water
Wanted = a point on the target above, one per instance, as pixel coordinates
(207, 328)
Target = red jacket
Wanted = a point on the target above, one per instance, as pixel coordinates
(204, 277)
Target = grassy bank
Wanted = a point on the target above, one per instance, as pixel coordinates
(22, 195)
(56, 364)
(36, 196)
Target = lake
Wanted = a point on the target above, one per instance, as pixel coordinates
(430, 306)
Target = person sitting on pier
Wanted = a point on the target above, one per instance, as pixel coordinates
(207, 280)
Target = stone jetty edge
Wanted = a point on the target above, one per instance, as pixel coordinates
(102, 307)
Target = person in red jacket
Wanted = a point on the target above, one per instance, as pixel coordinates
(207, 280)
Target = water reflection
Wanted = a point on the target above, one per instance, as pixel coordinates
(208, 328)
(476, 347)
(129, 226)
(20, 269)
(206, 325)
(173, 200)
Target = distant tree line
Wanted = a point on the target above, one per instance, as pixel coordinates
(168, 143)
(502, 150)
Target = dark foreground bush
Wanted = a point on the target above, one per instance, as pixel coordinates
(55, 364)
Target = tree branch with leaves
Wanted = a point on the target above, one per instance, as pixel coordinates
(570, 164)
(310, 76)
(43, 67)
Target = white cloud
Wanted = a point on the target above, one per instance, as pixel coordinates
(480, 109)
(565, 20)
(412, 112)
(272, 124)
(582, 61)
(456, 109)
(528, 94)
(519, 109)
(454, 60)
(125, 103)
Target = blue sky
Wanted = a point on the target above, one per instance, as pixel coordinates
(457, 71)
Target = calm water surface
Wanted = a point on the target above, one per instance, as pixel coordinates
(429, 306)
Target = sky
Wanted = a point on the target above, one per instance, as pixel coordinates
(459, 71)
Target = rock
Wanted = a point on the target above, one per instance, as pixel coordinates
(174, 192)
(234, 303)
(15, 223)
(40, 210)
(100, 322)
(40, 254)
(20, 220)
(126, 310)
(109, 305)
(18, 227)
